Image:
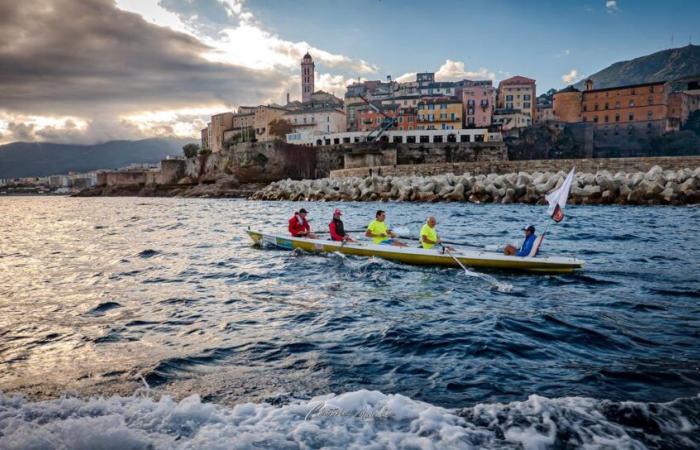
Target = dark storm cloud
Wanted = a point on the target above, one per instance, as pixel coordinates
(86, 57)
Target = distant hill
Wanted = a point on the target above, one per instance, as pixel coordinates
(37, 159)
(665, 65)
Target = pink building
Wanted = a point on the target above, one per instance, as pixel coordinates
(479, 103)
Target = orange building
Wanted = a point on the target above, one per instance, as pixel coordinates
(622, 105)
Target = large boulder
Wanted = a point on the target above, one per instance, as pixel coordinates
(654, 174)
(457, 194)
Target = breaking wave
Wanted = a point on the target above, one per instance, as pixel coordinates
(360, 419)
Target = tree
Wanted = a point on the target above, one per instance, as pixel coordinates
(280, 128)
(190, 150)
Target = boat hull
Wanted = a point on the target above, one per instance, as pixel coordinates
(419, 256)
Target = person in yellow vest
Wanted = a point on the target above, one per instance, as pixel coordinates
(380, 233)
(428, 234)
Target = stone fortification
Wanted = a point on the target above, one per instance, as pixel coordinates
(655, 186)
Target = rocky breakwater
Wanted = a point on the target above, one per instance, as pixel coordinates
(657, 186)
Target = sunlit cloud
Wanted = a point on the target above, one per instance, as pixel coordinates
(453, 71)
(571, 77)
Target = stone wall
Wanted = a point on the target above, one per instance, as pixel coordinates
(125, 178)
(356, 160)
(171, 171)
(450, 152)
(541, 165)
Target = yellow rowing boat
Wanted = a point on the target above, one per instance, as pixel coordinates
(420, 256)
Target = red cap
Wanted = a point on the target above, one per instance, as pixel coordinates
(337, 212)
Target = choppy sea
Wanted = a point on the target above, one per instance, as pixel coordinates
(154, 323)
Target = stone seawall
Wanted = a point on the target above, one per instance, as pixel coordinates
(655, 186)
(538, 165)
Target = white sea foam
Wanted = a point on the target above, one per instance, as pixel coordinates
(139, 422)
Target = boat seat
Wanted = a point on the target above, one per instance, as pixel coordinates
(536, 246)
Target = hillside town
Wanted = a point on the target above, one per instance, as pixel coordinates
(430, 111)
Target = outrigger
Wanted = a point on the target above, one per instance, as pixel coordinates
(420, 256)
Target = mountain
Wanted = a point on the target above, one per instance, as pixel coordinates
(665, 65)
(37, 159)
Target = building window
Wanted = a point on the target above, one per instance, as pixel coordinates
(649, 115)
(617, 105)
(606, 106)
(509, 98)
(585, 108)
(617, 117)
(584, 118)
(632, 92)
(606, 119)
(595, 119)
(631, 103)
(526, 105)
(651, 89)
(631, 117)
(526, 97)
(595, 107)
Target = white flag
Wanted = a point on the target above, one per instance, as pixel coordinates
(557, 199)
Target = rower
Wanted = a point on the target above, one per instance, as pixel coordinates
(380, 234)
(429, 236)
(337, 229)
(299, 226)
(526, 248)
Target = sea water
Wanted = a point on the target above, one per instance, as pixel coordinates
(137, 323)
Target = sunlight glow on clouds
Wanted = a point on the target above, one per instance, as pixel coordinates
(453, 71)
(571, 77)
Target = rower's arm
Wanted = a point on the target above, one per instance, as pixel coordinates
(427, 240)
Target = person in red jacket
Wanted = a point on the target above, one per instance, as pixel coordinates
(337, 228)
(299, 226)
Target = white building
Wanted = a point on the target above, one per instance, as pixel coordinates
(317, 121)
(397, 137)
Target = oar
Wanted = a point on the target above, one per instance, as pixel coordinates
(347, 231)
(446, 250)
(500, 286)
(461, 244)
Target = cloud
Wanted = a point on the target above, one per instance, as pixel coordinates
(453, 71)
(224, 24)
(112, 73)
(611, 6)
(571, 77)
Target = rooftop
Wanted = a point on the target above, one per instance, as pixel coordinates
(629, 86)
(516, 80)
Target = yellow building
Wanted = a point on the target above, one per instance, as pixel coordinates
(518, 93)
(439, 113)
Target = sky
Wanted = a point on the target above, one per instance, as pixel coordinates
(87, 71)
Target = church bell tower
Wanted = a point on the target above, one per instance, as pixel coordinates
(307, 77)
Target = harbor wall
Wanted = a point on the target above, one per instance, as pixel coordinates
(540, 165)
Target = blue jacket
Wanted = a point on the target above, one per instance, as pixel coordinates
(527, 245)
